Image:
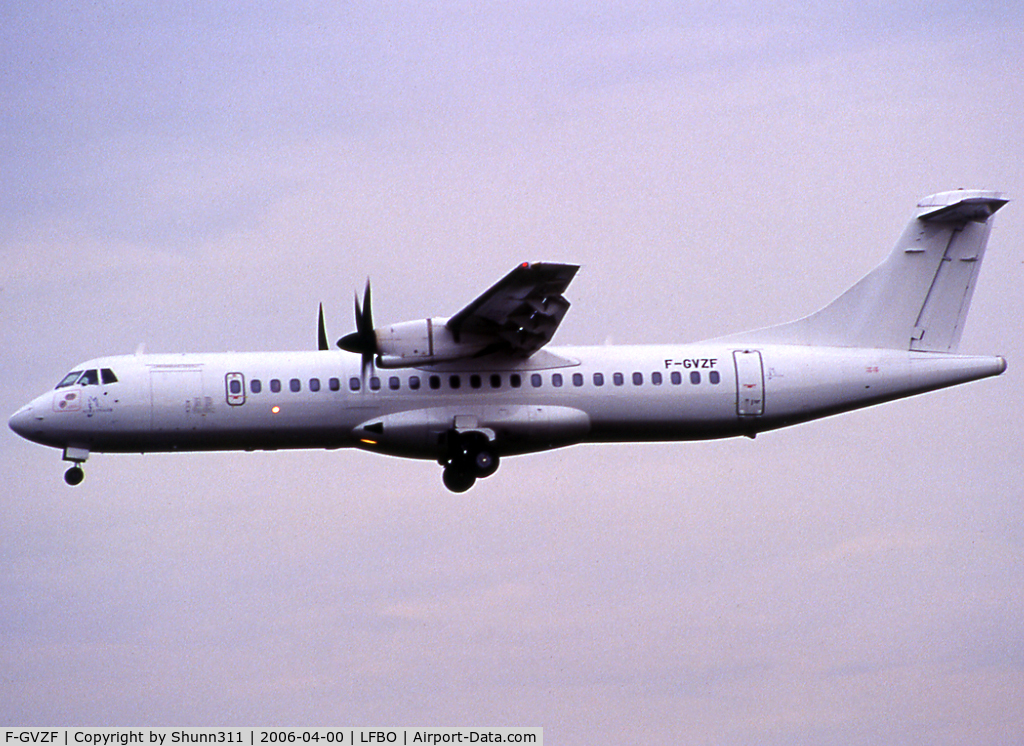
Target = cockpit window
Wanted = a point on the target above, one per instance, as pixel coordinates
(69, 379)
(88, 378)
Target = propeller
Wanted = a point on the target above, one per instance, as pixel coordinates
(363, 340)
(321, 328)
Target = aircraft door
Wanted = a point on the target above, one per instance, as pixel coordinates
(178, 404)
(234, 388)
(749, 383)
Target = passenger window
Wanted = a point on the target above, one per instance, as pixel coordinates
(535, 380)
(414, 382)
(108, 376)
(435, 382)
(295, 385)
(638, 379)
(474, 381)
(599, 379)
(69, 379)
(714, 377)
(353, 383)
(394, 383)
(256, 385)
(556, 380)
(694, 377)
(515, 380)
(618, 379)
(334, 384)
(495, 381)
(375, 383)
(454, 381)
(275, 385)
(90, 378)
(314, 384)
(577, 379)
(677, 378)
(656, 378)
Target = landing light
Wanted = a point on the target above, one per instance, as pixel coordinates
(275, 409)
(368, 441)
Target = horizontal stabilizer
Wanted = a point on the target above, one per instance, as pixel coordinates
(960, 206)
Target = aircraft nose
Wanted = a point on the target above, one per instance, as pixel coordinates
(21, 421)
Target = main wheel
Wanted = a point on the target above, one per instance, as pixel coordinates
(74, 475)
(485, 462)
(472, 452)
(456, 479)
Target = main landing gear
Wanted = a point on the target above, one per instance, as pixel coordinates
(470, 456)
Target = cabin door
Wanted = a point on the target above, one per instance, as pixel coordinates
(749, 383)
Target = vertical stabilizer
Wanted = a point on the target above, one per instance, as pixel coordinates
(918, 298)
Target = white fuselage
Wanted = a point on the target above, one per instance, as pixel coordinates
(276, 400)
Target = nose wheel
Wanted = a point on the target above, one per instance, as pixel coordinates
(74, 476)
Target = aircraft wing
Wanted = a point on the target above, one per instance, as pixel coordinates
(521, 311)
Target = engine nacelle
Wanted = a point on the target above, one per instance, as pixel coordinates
(423, 342)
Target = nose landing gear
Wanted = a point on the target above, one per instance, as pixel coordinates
(470, 456)
(77, 456)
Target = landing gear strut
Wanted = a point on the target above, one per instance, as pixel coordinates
(470, 456)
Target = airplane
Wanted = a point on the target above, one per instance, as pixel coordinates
(483, 384)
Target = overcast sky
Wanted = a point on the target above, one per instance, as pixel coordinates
(199, 177)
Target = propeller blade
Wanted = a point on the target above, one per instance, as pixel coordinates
(364, 327)
(367, 320)
(321, 328)
(353, 342)
(363, 340)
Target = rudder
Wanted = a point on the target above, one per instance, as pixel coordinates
(944, 311)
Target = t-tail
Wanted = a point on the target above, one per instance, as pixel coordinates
(918, 298)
